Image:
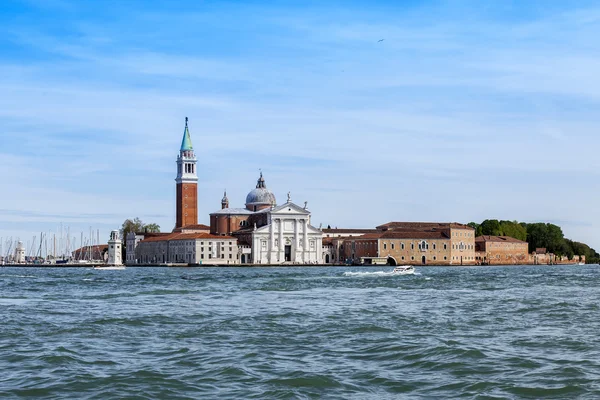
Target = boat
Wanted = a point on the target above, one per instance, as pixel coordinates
(404, 270)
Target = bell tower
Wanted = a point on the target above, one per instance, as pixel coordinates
(187, 183)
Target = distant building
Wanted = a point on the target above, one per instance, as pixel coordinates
(267, 233)
(171, 247)
(422, 243)
(188, 248)
(20, 253)
(501, 250)
(114, 249)
(96, 252)
(260, 233)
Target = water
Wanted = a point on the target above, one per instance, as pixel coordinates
(480, 333)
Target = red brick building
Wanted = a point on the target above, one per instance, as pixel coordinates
(501, 250)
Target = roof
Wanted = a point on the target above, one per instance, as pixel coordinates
(502, 239)
(414, 235)
(234, 211)
(186, 142)
(401, 235)
(152, 234)
(333, 231)
(423, 225)
(193, 227)
(186, 236)
(540, 250)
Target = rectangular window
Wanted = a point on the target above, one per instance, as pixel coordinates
(202, 256)
(230, 256)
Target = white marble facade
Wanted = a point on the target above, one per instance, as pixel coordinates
(288, 238)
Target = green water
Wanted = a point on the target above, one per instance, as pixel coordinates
(287, 333)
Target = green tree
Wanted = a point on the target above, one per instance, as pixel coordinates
(131, 225)
(513, 229)
(136, 225)
(491, 227)
(154, 228)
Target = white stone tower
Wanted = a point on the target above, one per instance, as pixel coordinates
(20, 253)
(114, 249)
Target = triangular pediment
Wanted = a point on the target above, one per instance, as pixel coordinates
(289, 209)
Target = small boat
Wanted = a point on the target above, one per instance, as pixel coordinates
(404, 270)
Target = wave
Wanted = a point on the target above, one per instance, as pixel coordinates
(378, 273)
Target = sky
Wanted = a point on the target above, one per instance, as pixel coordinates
(371, 111)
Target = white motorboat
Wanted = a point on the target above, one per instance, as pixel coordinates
(404, 270)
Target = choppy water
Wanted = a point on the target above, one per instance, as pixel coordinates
(488, 332)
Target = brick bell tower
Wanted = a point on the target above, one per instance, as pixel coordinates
(187, 183)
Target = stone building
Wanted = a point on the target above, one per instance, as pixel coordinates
(267, 233)
(229, 220)
(20, 253)
(114, 249)
(286, 237)
(501, 250)
(188, 248)
(421, 243)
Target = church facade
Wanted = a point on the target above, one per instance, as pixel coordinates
(268, 233)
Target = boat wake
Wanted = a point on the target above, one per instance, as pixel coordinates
(379, 273)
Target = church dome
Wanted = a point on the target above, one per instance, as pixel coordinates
(260, 196)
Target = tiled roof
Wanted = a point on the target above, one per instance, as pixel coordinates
(423, 225)
(193, 227)
(232, 211)
(343, 231)
(152, 234)
(503, 239)
(414, 235)
(186, 236)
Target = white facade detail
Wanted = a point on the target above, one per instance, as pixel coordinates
(20, 253)
(288, 238)
(114, 249)
(186, 160)
(189, 249)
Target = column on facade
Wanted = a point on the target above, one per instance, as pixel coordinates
(304, 239)
(281, 246)
(271, 241)
(296, 239)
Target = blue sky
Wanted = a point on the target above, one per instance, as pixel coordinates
(466, 110)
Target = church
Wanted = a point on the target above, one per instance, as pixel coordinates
(261, 232)
(268, 233)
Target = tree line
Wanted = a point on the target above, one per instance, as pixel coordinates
(538, 235)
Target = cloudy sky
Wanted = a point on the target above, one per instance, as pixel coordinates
(466, 110)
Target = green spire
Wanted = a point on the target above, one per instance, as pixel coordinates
(186, 143)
